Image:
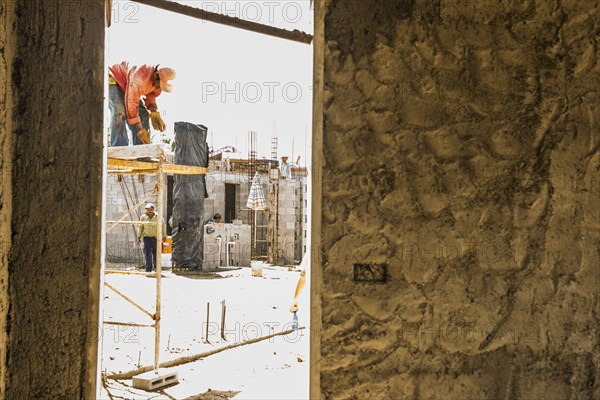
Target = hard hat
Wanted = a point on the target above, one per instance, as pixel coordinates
(166, 75)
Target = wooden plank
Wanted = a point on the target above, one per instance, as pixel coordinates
(195, 357)
(133, 172)
(117, 166)
(184, 169)
(295, 35)
(130, 165)
(128, 324)
(133, 303)
(158, 262)
(122, 272)
(131, 222)
(155, 150)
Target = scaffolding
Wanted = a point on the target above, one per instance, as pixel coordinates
(251, 170)
(158, 161)
(274, 144)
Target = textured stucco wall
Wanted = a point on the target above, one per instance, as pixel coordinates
(57, 82)
(6, 50)
(461, 148)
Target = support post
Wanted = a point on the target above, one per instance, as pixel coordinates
(159, 227)
(207, 321)
(223, 308)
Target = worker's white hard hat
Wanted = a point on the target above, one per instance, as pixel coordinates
(149, 205)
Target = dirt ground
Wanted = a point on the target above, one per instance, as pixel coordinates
(255, 306)
(213, 395)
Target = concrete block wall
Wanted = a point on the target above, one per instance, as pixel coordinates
(288, 220)
(305, 216)
(291, 211)
(241, 199)
(215, 182)
(239, 253)
(299, 215)
(120, 241)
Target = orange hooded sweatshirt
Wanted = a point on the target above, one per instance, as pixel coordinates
(136, 82)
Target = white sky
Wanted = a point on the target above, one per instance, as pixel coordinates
(230, 80)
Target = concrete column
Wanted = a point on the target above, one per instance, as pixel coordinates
(51, 113)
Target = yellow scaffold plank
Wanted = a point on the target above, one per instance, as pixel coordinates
(116, 166)
(184, 169)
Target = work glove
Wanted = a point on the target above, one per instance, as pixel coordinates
(144, 136)
(157, 122)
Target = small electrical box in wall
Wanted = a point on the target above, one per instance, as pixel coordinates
(370, 273)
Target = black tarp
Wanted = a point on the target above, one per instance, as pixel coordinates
(189, 192)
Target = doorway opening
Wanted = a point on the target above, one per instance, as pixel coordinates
(230, 318)
(230, 202)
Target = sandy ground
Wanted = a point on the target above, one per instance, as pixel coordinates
(276, 368)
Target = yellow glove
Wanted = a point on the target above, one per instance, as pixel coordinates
(144, 136)
(157, 122)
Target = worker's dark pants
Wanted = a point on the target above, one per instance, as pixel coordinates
(150, 253)
(118, 118)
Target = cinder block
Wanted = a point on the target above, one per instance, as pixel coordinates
(208, 265)
(286, 204)
(153, 380)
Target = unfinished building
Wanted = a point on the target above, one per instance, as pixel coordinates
(455, 219)
(277, 234)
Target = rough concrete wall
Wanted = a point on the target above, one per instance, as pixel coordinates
(54, 267)
(461, 147)
(6, 50)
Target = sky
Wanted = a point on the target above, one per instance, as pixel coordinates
(230, 80)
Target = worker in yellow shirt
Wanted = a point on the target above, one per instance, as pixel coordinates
(147, 232)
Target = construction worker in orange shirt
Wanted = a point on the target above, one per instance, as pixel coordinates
(132, 94)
